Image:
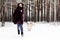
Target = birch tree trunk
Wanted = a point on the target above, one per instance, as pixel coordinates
(45, 10)
(50, 10)
(54, 10)
(35, 10)
(3, 15)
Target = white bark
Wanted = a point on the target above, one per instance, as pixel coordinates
(43, 9)
(46, 8)
(54, 10)
(11, 11)
(50, 10)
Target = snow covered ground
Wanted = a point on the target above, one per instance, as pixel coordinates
(40, 31)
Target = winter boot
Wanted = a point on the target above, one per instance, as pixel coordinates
(21, 33)
(18, 32)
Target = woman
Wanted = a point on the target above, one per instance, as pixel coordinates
(18, 17)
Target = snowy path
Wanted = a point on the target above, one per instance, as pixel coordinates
(40, 31)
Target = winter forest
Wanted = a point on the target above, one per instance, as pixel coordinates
(41, 20)
(39, 10)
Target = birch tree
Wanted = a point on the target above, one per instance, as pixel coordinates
(3, 14)
(54, 10)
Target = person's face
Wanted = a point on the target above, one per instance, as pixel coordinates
(20, 5)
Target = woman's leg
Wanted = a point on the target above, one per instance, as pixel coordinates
(18, 29)
(21, 27)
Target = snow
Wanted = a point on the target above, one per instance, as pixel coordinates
(40, 31)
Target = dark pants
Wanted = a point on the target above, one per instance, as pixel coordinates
(20, 28)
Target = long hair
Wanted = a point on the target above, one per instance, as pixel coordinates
(18, 7)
